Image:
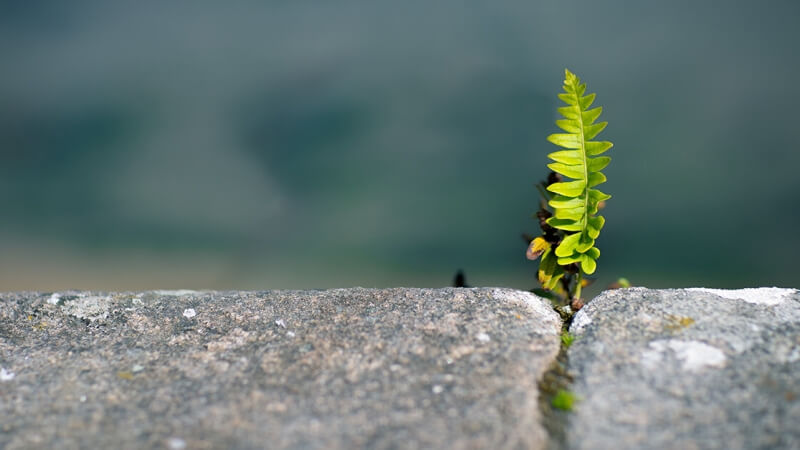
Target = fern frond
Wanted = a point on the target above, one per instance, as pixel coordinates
(576, 202)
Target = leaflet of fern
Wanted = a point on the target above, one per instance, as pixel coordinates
(575, 202)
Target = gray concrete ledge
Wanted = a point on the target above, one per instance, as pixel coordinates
(347, 368)
(687, 369)
(397, 368)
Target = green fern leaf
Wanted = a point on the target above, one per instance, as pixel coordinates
(576, 203)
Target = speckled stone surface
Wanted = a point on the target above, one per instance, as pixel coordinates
(350, 368)
(687, 369)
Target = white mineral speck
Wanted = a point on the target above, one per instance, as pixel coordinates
(90, 307)
(290, 333)
(483, 337)
(176, 443)
(280, 323)
(437, 389)
(82, 399)
(137, 368)
(53, 300)
(6, 375)
(761, 296)
(189, 313)
(175, 293)
(695, 355)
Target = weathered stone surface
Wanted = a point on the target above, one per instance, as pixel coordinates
(687, 369)
(350, 368)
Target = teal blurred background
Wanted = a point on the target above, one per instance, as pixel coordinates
(302, 144)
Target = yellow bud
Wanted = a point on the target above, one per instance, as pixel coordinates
(537, 247)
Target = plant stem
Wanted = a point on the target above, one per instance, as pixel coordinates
(578, 282)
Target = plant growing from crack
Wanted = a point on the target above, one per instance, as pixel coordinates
(564, 400)
(568, 212)
(567, 339)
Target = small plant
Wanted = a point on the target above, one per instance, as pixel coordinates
(564, 400)
(568, 213)
(621, 283)
(567, 339)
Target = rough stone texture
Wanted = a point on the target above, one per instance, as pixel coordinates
(687, 369)
(351, 368)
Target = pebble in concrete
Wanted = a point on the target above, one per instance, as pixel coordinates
(350, 368)
(687, 369)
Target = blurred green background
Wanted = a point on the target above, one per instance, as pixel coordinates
(302, 144)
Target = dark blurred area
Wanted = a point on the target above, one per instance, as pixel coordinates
(328, 144)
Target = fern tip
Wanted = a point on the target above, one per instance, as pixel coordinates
(569, 77)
